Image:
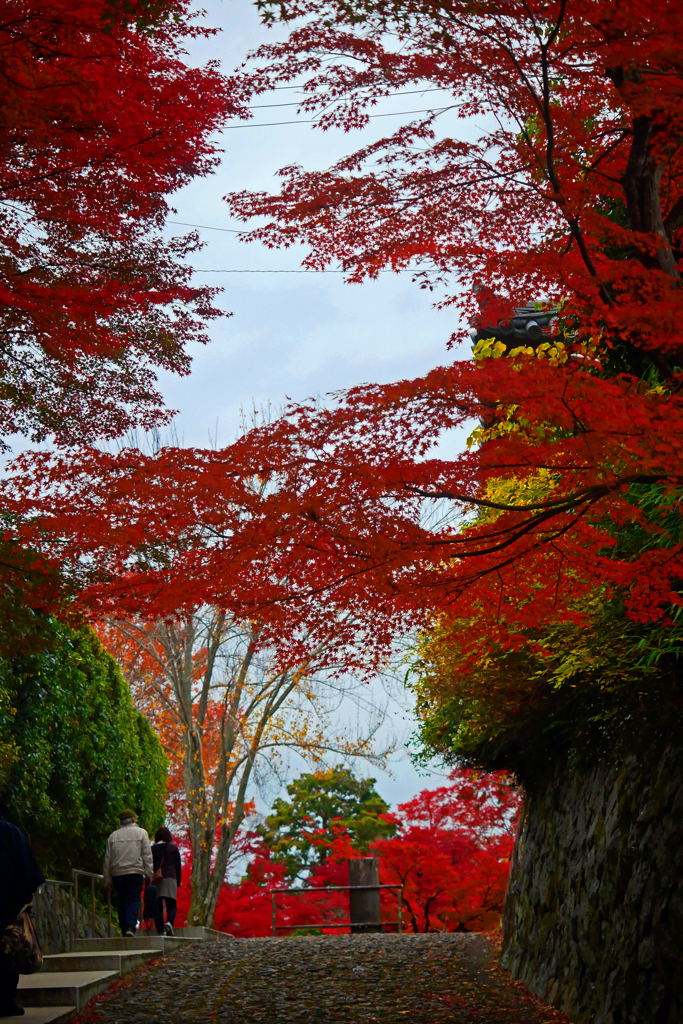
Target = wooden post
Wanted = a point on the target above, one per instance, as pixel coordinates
(94, 915)
(274, 897)
(400, 911)
(364, 905)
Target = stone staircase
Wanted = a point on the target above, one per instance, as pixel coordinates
(68, 981)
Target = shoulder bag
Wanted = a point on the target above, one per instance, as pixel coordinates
(19, 944)
(159, 873)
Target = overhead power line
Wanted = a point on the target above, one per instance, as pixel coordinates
(393, 113)
(199, 270)
(206, 227)
(279, 88)
(415, 92)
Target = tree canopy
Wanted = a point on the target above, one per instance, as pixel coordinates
(560, 187)
(102, 120)
(570, 194)
(450, 852)
(228, 714)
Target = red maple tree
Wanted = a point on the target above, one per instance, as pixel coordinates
(451, 855)
(102, 120)
(570, 193)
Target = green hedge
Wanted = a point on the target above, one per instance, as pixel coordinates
(74, 750)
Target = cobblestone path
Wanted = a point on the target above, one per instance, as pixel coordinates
(378, 979)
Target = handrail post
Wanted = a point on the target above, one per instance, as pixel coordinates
(75, 874)
(92, 904)
(365, 910)
(274, 917)
(55, 919)
(400, 910)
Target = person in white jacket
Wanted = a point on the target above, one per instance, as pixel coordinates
(127, 866)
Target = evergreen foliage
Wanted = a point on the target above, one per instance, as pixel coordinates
(74, 750)
(319, 801)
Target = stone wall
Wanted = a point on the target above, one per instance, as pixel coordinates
(54, 911)
(593, 919)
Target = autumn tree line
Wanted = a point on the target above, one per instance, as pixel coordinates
(538, 572)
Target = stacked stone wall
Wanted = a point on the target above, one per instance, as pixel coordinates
(54, 916)
(593, 920)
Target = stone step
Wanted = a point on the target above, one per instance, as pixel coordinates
(197, 932)
(62, 988)
(44, 1015)
(123, 961)
(213, 935)
(164, 943)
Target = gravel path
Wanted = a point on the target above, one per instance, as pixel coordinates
(379, 979)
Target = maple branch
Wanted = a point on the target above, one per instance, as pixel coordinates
(512, 534)
(560, 504)
(591, 168)
(514, 558)
(74, 166)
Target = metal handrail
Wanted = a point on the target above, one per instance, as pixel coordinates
(92, 875)
(55, 915)
(336, 888)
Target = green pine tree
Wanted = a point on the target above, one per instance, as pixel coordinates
(318, 801)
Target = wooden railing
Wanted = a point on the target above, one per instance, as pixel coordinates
(346, 924)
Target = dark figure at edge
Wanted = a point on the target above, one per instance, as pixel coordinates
(20, 876)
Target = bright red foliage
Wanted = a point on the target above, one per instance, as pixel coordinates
(327, 537)
(101, 121)
(452, 855)
(570, 192)
(581, 103)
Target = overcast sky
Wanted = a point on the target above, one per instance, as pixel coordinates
(292, 335)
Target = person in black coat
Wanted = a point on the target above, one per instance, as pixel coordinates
(20, 876)
(166, 857)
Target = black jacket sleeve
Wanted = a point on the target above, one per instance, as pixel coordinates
(20, 875)
(158, 850)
